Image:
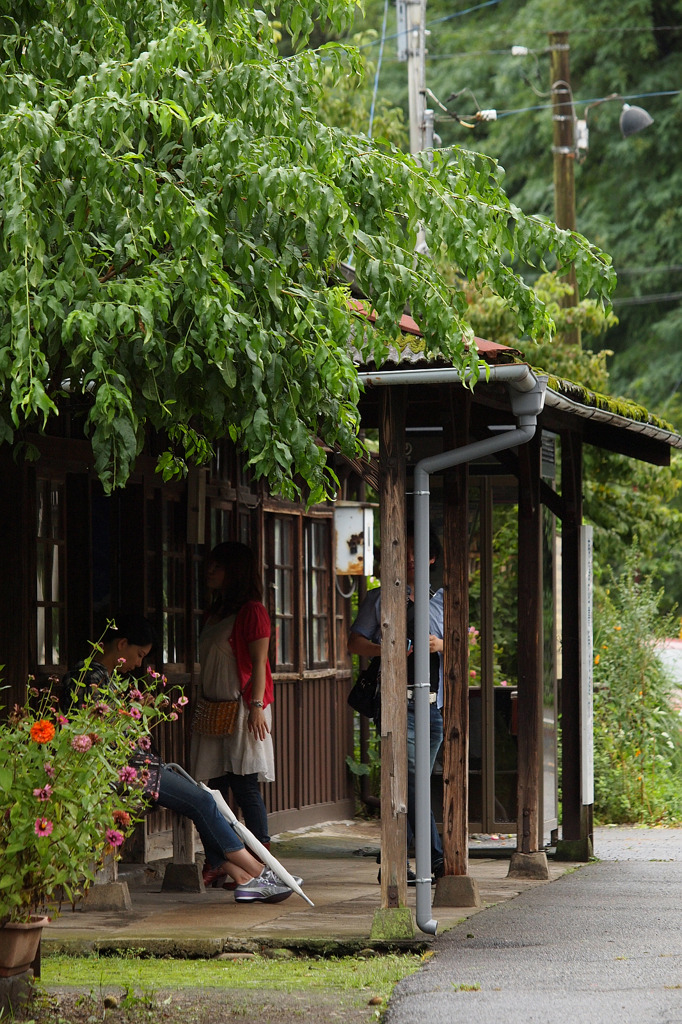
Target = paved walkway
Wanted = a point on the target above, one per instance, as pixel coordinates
(600, 944)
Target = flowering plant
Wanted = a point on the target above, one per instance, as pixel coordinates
(72, 785)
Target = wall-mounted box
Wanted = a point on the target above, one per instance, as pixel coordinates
(354, 538)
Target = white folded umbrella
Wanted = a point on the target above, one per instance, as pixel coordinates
(247, 837)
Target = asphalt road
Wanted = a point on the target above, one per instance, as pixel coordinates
(602, 944)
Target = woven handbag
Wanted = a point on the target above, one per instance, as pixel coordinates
(215, 717)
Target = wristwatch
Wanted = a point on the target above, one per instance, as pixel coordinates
(256, 704)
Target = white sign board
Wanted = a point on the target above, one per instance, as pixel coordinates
(586, 669)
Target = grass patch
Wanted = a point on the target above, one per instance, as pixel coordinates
(375, 973)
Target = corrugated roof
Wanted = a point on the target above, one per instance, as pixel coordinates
(564, 396)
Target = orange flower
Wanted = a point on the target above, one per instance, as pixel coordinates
(597, 659)
(42, 731)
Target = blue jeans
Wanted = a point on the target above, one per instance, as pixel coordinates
(183, 797)
(436, 738)
(247, 793)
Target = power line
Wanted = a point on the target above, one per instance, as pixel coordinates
(647, 300)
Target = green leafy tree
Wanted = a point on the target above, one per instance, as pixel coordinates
(174, 213)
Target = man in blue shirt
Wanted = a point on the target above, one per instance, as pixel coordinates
(365, 640)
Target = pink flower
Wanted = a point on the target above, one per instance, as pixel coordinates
(127, 774)
(472, 673)
(101, 709)
(81, 743)
(43, 794)
(135, 695)
(43, 827)
(114, 837)
(173, 716)
(144, 743)
(135, 713)
(49, 770)
(182, 701)
(122, 817)
(62, 720)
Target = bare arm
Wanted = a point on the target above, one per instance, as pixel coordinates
(258, 650)
(359, 644)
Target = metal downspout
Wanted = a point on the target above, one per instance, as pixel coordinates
(526, 393)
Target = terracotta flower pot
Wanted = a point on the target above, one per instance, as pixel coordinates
(19, 943)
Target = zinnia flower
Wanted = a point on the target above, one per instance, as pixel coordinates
(114, 837)
(43, 827)
(43, 794)
(144, 743)
(127, 774)
(122, 818)
(182, 701)
(49, 769)
(135, 713)
(42, 731)
(100, 709)
(135, 695)
(62, 720)
(81, 743)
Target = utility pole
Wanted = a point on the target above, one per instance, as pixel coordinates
(415, 30)
(564, 150)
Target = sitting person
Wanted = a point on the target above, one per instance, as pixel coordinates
(124, 646)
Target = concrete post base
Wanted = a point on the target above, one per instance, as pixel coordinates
(182, 878)
(529, 865)
(574, 849)
(457, 891)
(108, 896)
(392, 923)
(14, 994)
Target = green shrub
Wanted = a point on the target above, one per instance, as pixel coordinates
(637, 730)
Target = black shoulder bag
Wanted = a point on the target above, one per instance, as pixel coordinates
(365, 695)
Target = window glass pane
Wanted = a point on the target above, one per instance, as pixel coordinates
(56, 636)
(283, 585)
(317, 593)
(40, 630)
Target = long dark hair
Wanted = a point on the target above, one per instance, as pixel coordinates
(133, 628)
(242, 579)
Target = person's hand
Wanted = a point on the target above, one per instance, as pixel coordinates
(256, 723)
(435, 644)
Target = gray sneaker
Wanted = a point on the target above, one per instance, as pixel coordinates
(267, 888)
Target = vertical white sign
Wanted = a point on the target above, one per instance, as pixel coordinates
(586, 669)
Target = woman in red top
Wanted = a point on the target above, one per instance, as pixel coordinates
(233, 650)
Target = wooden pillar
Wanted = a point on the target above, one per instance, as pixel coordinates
(529, 648)
(456, 647)
(576, 840)
(393, 660)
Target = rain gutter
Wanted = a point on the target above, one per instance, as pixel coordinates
(526, 395)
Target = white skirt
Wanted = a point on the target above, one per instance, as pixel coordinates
(240, 753)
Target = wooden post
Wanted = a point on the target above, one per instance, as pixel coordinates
(576, 842)
(530, 647)
(456, 648)
(394, 919)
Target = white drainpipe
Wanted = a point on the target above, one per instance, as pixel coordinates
(527, 395)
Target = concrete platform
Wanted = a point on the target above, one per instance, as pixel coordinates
(338, 866)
